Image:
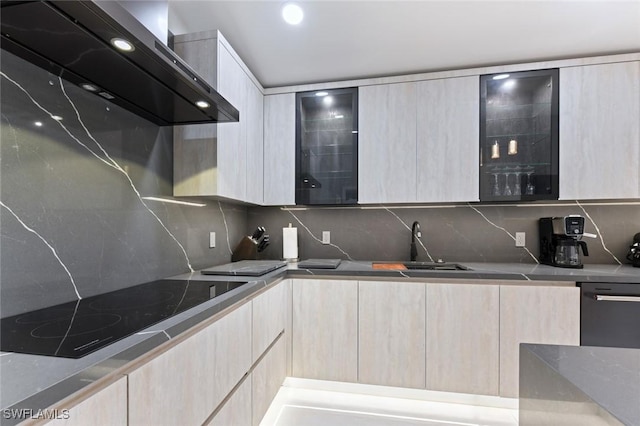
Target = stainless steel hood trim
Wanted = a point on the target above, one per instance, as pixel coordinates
(72, 39)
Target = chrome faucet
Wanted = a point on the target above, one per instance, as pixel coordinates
(415, 232)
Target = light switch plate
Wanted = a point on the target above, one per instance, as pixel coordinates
(326, 237)
(520, 239)
(212, 239)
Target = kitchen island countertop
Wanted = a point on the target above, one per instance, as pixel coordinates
(579, 385)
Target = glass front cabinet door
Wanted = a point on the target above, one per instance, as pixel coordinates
(519, 136)
(327, 147)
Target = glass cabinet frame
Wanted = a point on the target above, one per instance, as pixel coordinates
(532, 175)
(327, 147)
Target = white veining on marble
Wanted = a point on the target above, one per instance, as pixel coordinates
(224, 219)
(407, 226)
(117, 166)
(526, 277)
(154, 332)
(15, 146)
(599, 233)
(53, 250)
(403, 274)
(469, 242)
(110, 162)
(51, 115)
(314, 237)
(73, 318)
(503, 229)
(184, 294)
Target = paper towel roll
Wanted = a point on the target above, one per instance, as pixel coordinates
(290, 243)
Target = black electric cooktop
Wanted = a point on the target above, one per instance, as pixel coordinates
(75, 329)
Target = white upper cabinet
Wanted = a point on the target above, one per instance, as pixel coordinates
(447, 140)
(600, 131)
(387, 143)
(280, 149)
(221, 160)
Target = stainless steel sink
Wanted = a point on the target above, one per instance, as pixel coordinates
(436, 266)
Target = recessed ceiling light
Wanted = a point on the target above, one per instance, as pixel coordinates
(202, 104)
(292, 13)
(38, 124)
(122, 44)
(89, 87)
(339, 116)
(322, 93)
(106, 95)
(500, 76)
(327, 100)
(56, 117)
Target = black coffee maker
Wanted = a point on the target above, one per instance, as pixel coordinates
(560, 241)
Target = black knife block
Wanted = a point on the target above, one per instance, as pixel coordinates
(247, 249)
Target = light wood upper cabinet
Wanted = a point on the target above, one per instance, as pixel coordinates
(463, 338)
(107, 406)
(325, 330)
(534, 314)
(185, 384)
(232, 137)
(447, 140)
(255, 144)
(391, 334)
(221, 160)
(280, 149)
(387, 143)
(600, 131)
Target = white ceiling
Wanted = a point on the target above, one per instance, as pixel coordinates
(340, 40)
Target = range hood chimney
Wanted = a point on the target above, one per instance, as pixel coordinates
(74, 39)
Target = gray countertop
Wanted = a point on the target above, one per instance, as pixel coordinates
(33, 381)
(495, 271)
(610, 377)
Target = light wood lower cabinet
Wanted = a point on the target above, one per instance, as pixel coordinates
(185, 384)
(237, 409)
(325, 330)
(107, 406)
(266, 379)
(463, 338)
(534, 314)
(391, 334)
(268, 318)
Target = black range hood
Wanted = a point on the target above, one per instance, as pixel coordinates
(72, 39)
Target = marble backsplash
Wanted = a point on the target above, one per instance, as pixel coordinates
(75, 171)
(454, 233)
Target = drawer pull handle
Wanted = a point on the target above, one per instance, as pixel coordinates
(605, 298)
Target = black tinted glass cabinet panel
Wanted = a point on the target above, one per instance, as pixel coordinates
(327, 147)
(519, 136)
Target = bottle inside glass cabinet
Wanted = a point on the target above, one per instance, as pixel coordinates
(519, 136)
(327, 147)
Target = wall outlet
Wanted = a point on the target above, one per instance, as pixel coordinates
(212, 239)
(326, 237)
(520, 239)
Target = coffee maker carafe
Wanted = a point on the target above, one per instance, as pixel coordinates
(560, 241)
